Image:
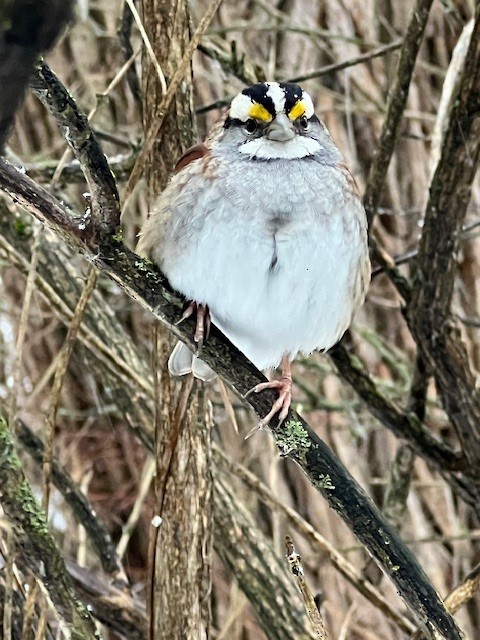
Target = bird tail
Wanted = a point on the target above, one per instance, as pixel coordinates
(183, 361)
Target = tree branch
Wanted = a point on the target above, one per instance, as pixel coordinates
(405, 426)
(396, 102)
(74, 124)
(429, 316)
(110, 605)
(262, 575)
(294, 439)
(29, 524)
(319, 544)
(82, 509)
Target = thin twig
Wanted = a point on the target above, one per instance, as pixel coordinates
(329, 68)
(59, 378)
(313, 613)
(351, 62)
(148, 474)
(177, 79)
(317, 541)
(148, 46)
(23, 326)
(464, 591)
(396, 102)
(318, 33)
(294, 438)
(124, 33)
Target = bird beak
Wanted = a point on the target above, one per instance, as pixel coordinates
(281, 129)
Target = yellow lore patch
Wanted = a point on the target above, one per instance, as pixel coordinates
(297, 111)
(258, 112)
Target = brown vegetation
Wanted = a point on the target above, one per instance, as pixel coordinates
(82, 363)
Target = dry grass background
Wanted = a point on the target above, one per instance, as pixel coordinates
(278, 40)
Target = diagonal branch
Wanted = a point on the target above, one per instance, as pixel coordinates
(429, 315)
(173, 86)
(295, 438)
(74, 123)
(81, 507)
(404, 425)
(396, 102)
(29, 524)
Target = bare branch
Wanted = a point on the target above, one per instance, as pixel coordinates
(313, 613)
(318, 73)
(351, 62)
(74, 123)
(404, 425)
(260, 572)
(397, 99)
(295, 438)
(435, 331)
(124, 33)
(82, 509)
(173, 86)
(30, 528)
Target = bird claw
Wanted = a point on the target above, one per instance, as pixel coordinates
(202, 328)
(283, 402)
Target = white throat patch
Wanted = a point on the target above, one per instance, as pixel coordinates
(262, 148)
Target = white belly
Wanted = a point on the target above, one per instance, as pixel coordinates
(272, 293)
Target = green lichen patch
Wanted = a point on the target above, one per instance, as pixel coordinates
(324, 481)
(118, 235)
(293, 438)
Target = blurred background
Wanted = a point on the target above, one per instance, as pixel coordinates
(106, 400)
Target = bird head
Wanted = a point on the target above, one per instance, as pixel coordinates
(275, 120)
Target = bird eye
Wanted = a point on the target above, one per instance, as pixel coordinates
(250, 126)
(304, 122)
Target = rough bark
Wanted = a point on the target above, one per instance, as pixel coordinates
(294, 438)
(181, 582)
(124, 365)
(429, 312)
(29, 525)
(168, 27)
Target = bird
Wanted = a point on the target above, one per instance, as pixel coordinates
(262, 229)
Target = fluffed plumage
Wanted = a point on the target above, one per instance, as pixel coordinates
(264, 225)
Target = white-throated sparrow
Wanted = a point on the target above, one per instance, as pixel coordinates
(263, 227)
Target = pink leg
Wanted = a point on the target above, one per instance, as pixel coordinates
(202, 328)
(284, 387)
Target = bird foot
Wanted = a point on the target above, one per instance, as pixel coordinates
(283, 402)
(202, 329)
